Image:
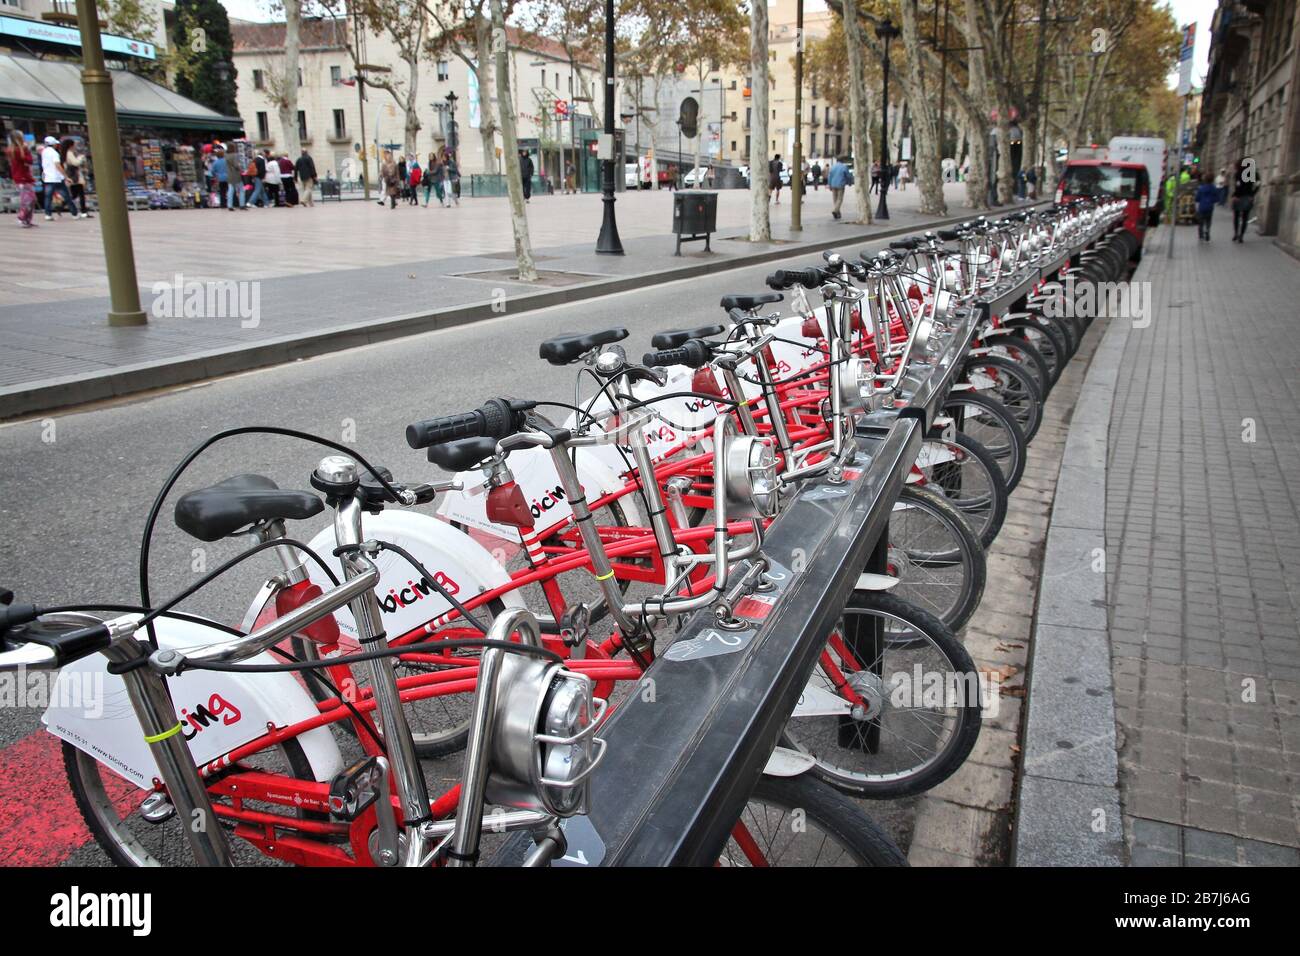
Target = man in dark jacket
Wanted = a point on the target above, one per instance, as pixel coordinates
(305, 170)
(526, 174)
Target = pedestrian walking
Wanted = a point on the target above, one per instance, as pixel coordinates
(416, 173)
(74, 165)
(391, 179)
(305, 170)
(433, 178)
(875, 178)
(221, 178)
(903, 174)
(450, 177)
(1243, 200)
(526, 174)
(838, 179)
(1207, 195)
(272, 178)
(20, 171)
(1221, 184)
(53, 177)
(774, 167)
(568, 177)
(816, 175)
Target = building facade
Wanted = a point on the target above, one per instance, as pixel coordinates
(725, 103)
(1250, 111)
(551, 115)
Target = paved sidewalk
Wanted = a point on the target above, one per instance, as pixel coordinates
(338, 275)
(1203, 558)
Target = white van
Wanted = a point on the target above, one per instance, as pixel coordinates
(1152, 152)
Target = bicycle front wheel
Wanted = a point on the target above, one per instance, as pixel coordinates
(893, 705)
(939, 561)
(799, 821)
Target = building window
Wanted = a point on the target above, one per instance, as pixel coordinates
(259, 80)
(302, 125)
(263, 128)
(814, 114)
(444, 70)
(733, 84)
(747, 145)
(336, 75)
(340, 125)
(300, 76)
(733, 145)
(749, 110)
(812, 143)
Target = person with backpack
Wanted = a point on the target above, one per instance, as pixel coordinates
(256, 172)
(774, 167)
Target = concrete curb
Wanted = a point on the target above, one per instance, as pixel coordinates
(1068, 811)
(64, 391)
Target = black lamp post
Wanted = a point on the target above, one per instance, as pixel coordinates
(608, 243)
(886, 31)
(451, 121)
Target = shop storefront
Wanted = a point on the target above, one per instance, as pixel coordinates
(162, 132)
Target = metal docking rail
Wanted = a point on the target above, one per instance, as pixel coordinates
(690, 741)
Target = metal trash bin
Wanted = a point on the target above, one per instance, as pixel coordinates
(695, 216)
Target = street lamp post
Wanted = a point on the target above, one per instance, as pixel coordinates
(452, 141)
(608, 243)
(885, 31)
(796, 171)
(114, 227)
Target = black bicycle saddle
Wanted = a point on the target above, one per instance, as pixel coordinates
(222, 509)
(563, 349)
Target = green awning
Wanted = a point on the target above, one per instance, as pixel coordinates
(51, 89)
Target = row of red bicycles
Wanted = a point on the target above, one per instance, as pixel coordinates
(425, 679)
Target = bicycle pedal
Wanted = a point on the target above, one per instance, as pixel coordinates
(355, 788)
(157, 808)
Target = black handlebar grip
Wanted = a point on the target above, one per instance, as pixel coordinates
(68, 646)
(905, 244)
(495, 418)
(693, 354)
(948, 235)
(808, 278)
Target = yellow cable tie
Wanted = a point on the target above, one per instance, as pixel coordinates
(155, 738)
(605, 577)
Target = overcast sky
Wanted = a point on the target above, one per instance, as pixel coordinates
(1185, 11)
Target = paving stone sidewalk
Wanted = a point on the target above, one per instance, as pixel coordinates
(1203, 558)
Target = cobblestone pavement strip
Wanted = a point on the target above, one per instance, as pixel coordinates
(1203, 559)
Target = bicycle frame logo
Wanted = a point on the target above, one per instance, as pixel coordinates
(398, 599)
(217, 708)
(546, 502)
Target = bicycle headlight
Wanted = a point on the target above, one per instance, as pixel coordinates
(858, 385)
(544, 746)
(749, 474)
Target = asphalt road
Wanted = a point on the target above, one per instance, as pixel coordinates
(75, 488)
